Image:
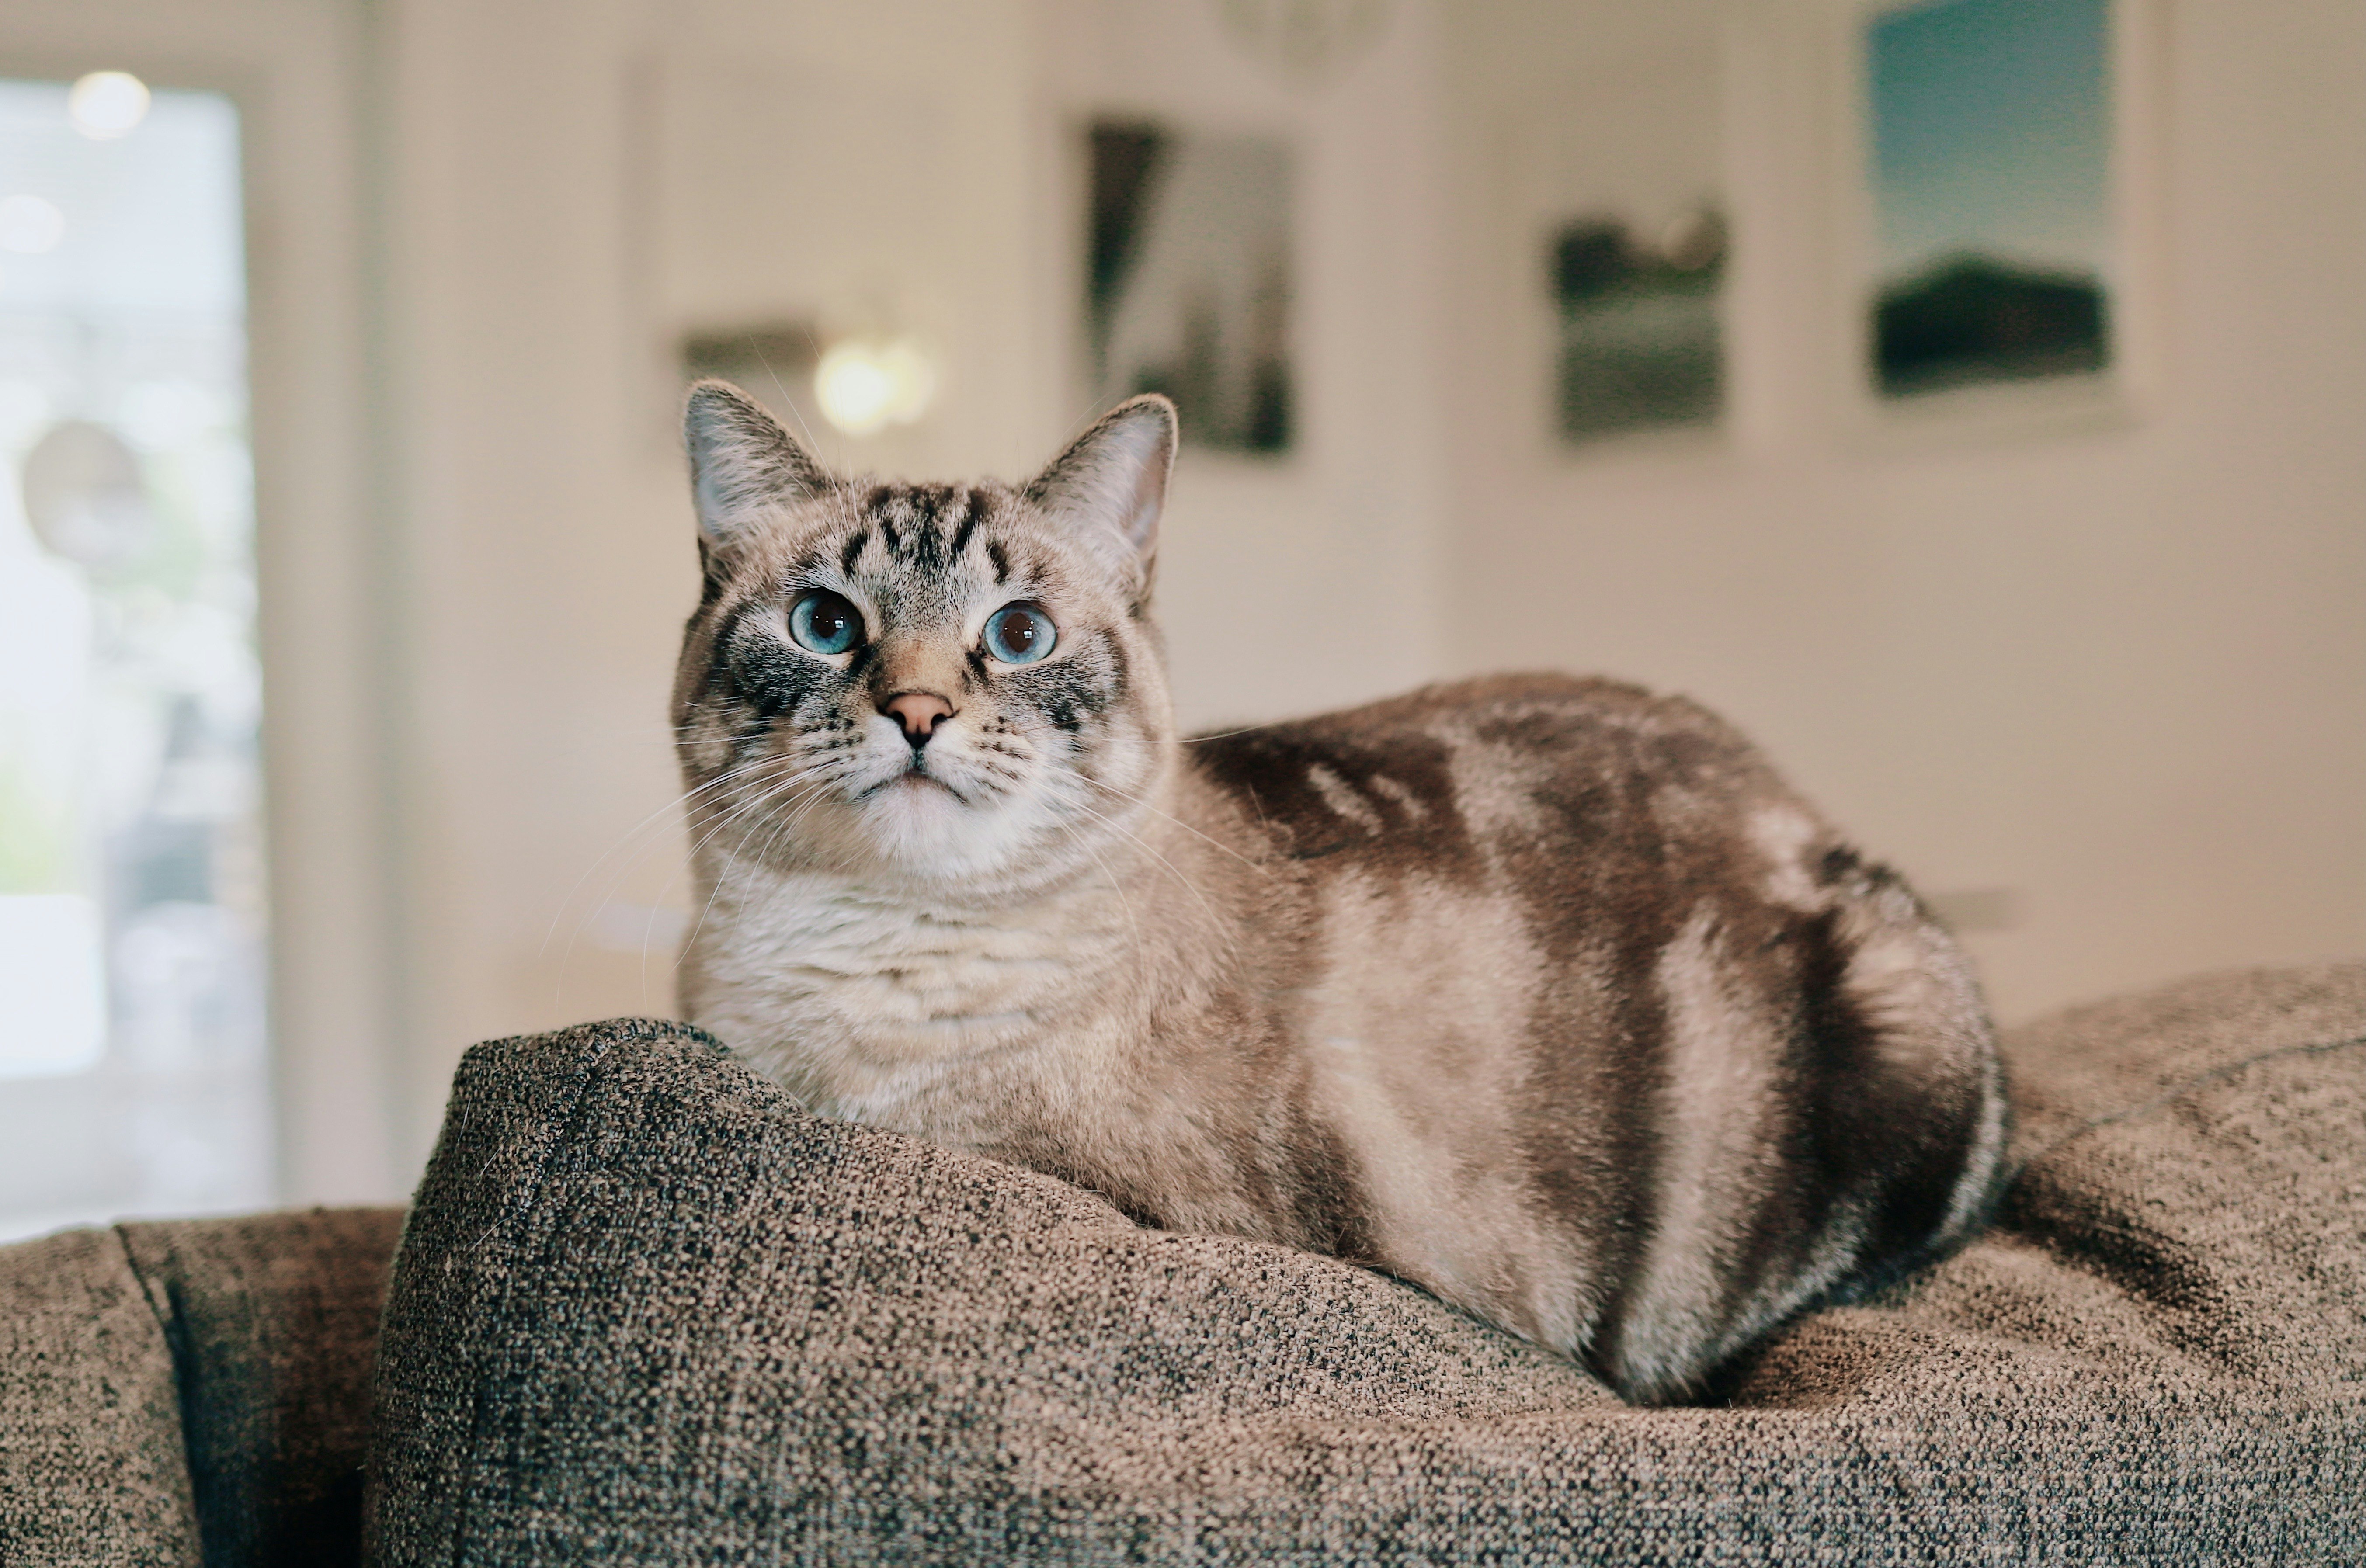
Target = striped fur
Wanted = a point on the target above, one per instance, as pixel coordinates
(1545, 994)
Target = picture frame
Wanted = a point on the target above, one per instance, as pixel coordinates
(1949, 403)
(1619, 247)
(1189, 276)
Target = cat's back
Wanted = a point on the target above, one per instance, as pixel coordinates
(1499, 778)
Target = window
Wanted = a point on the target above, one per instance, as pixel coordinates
(133, 1066)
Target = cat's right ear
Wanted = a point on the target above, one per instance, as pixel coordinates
(744, 467)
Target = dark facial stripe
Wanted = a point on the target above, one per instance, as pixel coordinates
(853, 552)
(926, 550)
(718, 649)
(1070, 692)
(807, 564)
(714, 577)
(1120, 670)
(751, 735)
(752, 670)
(970, 515)
(1001, 562)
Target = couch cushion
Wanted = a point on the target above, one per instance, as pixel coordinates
(190, 1390)
(91, 1466)
(272, 1321)
(648, 1309)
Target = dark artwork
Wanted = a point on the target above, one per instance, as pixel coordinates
(1187, 279)
(1990, 149)
(1974, 318)
(1640, 344)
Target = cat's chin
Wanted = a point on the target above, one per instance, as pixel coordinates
(926, 831)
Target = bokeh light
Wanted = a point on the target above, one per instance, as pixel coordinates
(107, 104)
(30, 226)
(865, 384)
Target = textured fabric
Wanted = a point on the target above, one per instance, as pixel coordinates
(91, 1466)
(648, 1310)
(272, 1321)
(192, 1390)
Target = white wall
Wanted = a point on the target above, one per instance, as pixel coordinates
(2118, 671)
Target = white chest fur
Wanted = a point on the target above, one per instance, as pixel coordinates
(862, 1001)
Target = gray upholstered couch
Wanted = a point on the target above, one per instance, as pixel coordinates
(190, 1391)
(647, 1311)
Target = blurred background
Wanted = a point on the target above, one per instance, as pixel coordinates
(1968, 398)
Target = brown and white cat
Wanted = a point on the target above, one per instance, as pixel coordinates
(1546, 993)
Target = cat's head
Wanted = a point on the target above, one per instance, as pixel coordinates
(945, 686)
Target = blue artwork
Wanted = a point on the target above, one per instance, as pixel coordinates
(1990, 168)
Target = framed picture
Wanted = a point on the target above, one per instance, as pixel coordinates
(1188, 278)
(1639, 345)
(2002, 237)
(1615, 180)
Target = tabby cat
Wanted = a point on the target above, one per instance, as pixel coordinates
(1545, 994)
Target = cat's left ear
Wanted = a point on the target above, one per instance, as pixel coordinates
(1109, 486)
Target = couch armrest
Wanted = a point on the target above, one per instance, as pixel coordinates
(273, 1323)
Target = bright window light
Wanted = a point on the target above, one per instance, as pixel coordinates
(55, 1021)
(107, 104)
(135, 1076)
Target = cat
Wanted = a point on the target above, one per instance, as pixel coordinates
(1544, 994)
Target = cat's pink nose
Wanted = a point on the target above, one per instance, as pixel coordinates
(918, 712)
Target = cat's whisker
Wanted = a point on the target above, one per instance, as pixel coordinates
(1224, 734)
(1118, 888)
(716, 826)
(677, 803)
(1217, 843)
(784, 791)
(746, 809)
(1140, 843)
(680, 803)
(742, 810)
(788, 822)
(823, 776)
(764, 800)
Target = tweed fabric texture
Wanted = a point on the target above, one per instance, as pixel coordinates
(273, 1323)
(646, 1309)
(190, 1391)
(91, 1467)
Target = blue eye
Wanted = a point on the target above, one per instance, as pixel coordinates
(1019, 634)
(825, 622)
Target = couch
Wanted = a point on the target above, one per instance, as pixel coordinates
(646, 1309)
